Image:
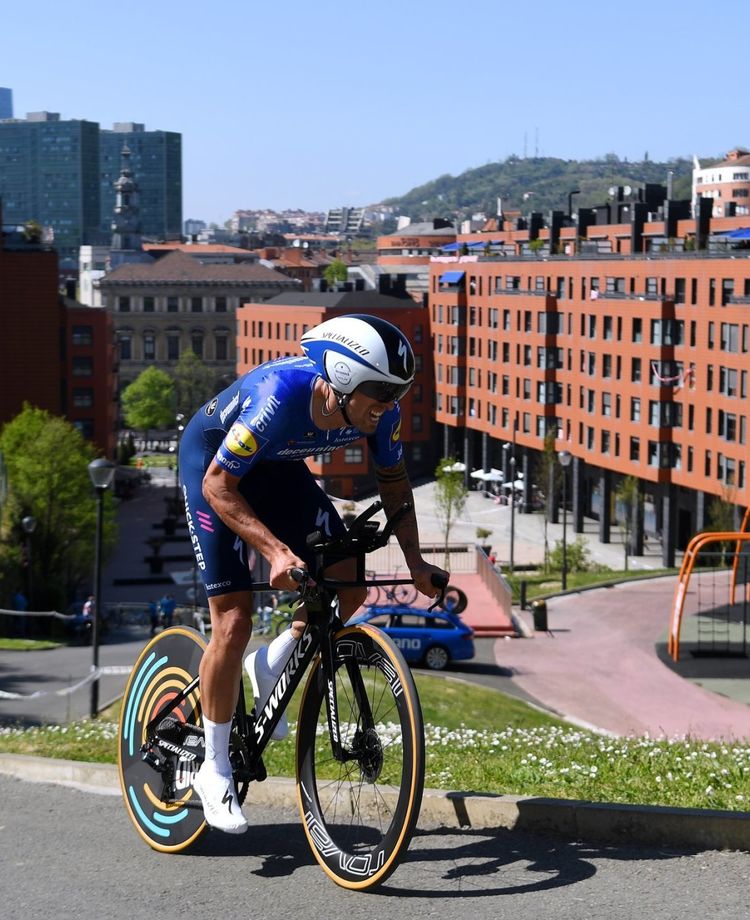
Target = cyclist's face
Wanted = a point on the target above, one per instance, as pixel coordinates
(365, 413)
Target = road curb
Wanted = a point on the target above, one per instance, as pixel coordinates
(691, 828)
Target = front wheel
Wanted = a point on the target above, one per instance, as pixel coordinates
(359, 815)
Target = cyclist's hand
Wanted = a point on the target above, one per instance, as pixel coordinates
(422, 577)
(281, 571)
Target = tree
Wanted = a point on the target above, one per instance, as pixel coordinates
(722, 518)
(334, 272)
(149, 401)
(194, 383)
(627, 496)
(47, 466)
(450, 497)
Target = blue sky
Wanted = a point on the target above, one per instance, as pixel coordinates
(326, 103)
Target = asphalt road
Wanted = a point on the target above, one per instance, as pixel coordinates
(70, 854)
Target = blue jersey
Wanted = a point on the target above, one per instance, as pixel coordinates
(267, 415)
(260, 429)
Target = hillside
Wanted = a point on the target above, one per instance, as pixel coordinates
(536, 184)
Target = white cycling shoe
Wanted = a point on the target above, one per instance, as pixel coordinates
(263, 682)
(219, 797)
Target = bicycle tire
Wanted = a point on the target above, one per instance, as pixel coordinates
(372, 598)
(454, 600)
(405, 594)
(359, 816)
(165, 667)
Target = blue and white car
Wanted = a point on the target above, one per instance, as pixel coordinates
(432, 639)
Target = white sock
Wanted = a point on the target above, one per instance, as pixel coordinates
(217, 746)
(279, 651)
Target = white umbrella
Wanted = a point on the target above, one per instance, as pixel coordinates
(518, 485)
(478, 474)
(494, 475)
(457, 467)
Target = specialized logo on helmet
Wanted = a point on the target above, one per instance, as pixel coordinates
(342, 373)
(403, 354)
(240, 441)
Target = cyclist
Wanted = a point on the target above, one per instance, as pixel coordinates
(246, 487)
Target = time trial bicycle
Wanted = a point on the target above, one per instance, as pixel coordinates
(360, 735)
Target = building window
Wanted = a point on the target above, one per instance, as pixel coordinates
(635, 370)
(353, 455)
(82, 335)
(126, 347)
(83, 397)
(635, 449)
(416, 423)
(221, 304)
(123, 304)
(149, 346)
(148, 304)
(222, 348)
(85, 426)
(173, 304)
(196, 304)
(635, 409)
(173, 347)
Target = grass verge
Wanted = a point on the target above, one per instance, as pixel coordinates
(483, 741)
(26, 645)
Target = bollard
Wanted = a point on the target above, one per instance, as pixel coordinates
(522, 590)
(539, 609)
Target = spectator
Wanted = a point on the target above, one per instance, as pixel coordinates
(153, 612)
(167, 605)
(88, 609)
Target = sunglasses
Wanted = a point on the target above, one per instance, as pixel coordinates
(384, 392)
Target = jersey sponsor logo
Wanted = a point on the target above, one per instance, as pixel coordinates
(211, 407)
(240, 441)
(229, 408)
(195, 541)
(396, 431)
(218, 584)
(305, 451)
(266, 413)
(231, 465)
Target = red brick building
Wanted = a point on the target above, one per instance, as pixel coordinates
(629, 342)
(273, 329)
(55, 354)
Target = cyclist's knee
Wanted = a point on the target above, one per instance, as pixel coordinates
(230, 626)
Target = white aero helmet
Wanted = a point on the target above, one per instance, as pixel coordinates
(362, 353)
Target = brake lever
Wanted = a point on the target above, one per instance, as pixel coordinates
(440, 581)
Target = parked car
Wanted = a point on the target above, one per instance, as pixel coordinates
(432, 639)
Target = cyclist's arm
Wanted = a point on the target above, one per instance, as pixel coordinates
(395, 490)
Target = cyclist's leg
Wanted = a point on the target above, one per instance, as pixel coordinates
(222, 562)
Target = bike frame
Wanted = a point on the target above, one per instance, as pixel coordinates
(321, 603)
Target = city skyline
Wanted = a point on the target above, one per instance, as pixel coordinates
(347, 106)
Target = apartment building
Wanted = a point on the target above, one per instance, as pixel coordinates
(274, 329)
(727, 183)
(631, 347)
(180, 301)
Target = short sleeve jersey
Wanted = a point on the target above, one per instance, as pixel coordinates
(267, 415)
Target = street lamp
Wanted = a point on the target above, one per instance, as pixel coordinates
(102, 473)
(512, 495)
(565, 456)
(179, 418)
(28, 524)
